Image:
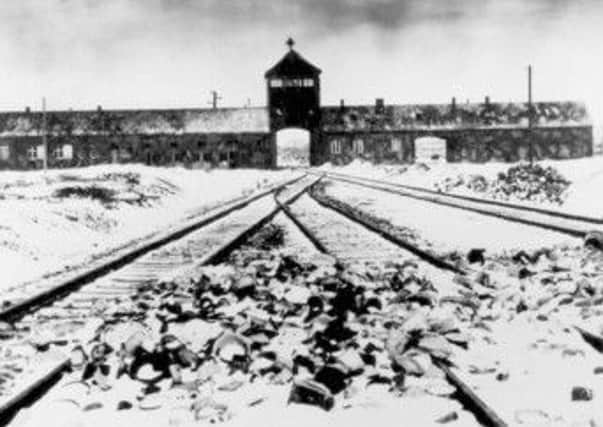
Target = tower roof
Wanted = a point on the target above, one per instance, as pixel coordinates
(293, 65)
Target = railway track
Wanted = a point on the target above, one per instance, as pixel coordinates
(20, 299)
(570, 224)
(328, 240)
(353, 241)
(115, 291)
(123, 293)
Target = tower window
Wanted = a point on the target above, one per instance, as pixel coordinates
(276, 83)
(292, 83)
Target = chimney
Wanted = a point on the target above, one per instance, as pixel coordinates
(453, 105)
(27, 110)
(487, 101)
(341, 104)
(99, 108)
(379, 105)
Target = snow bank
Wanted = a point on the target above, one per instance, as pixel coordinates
(48, 222)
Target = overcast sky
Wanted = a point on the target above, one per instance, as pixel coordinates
(171, 53)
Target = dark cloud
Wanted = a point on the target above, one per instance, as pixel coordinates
(330, 15)
(338, 15)
(43, 32)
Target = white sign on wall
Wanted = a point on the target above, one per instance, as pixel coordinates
(430, 149)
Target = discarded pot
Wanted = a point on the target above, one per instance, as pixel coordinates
(310, 392)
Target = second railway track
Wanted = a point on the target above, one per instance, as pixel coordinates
(570, 224)
(354, 242)
(352, 239)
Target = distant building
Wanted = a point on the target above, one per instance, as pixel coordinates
(245, 137)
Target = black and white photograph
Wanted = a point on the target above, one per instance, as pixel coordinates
(301, 213)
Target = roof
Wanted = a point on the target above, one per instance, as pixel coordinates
(167, 121)
(256, 120)
(444, 116)
(293, 65)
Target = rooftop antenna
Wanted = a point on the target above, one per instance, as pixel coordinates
(214, 99)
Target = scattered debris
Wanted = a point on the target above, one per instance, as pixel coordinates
(594, 239)
(522, 182)
(582, 394)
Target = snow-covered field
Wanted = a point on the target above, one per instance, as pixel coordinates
(446, 229)
(60, 218)
(582, 197)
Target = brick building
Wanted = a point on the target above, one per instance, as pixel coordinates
(246, 137)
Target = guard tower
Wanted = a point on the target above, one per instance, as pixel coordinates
(293, 86)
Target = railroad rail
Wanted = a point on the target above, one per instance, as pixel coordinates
(595, 340)
(465, 393)
(22, 306)
(469, 399)
(562, 222)
(209, 240)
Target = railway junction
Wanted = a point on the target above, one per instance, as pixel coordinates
(327, 298)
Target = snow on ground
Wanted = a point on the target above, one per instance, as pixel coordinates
(59, 218)
(583, 196)
(448, 229)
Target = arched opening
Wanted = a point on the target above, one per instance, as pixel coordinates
(430, 149)
(292, 148)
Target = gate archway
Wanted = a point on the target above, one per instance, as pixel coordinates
(293, 87)
(292, 147)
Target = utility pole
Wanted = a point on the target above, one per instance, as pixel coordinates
(530, 116)
(214, 99)
(44, 136)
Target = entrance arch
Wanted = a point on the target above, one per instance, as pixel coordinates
(293, 87)
(292, 147)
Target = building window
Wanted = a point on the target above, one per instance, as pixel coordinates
(336, 146)
(67, 151)
(36, 152)
(292, 83)
(4, 152)
(358, 146)
(396, 145)
(32, 153)
(64, 152)
(125, 153)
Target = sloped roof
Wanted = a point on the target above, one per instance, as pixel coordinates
(444, 116)
(293, 65)
(128, 122)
